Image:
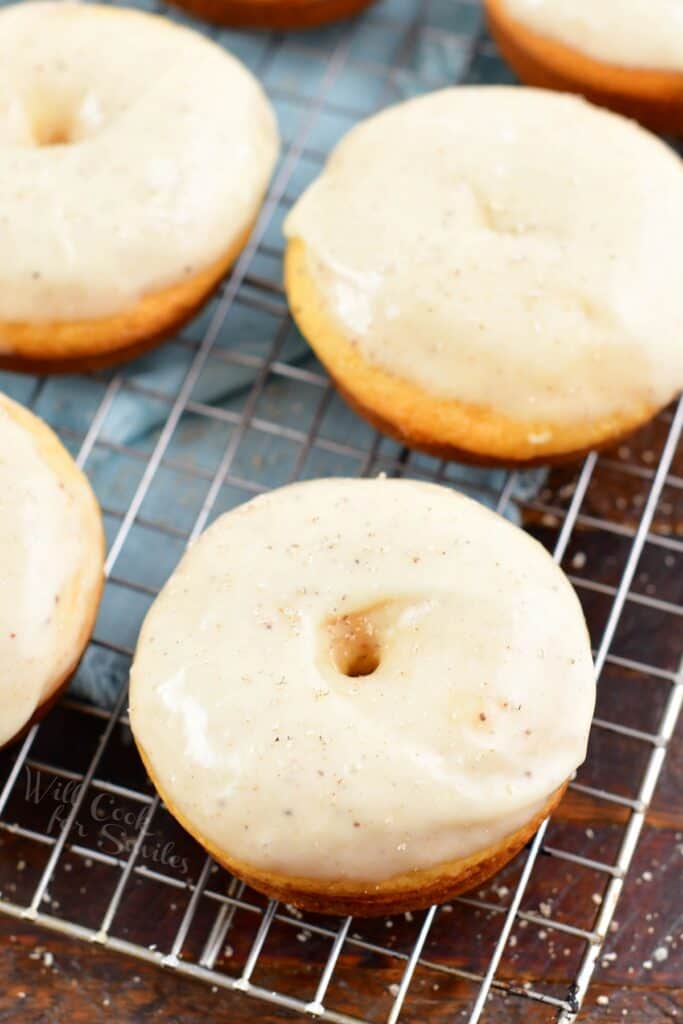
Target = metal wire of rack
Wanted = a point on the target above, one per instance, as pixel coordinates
(210, 908)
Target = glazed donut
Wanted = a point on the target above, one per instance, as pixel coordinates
(273, 14)
(624, 54)
(136, 154)
(52, 555)
(495, 274)
(362, 696)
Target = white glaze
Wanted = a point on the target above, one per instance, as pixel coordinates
(510, 248)
(632, 33)
(172, 143)
(278, 759)
(49, 570)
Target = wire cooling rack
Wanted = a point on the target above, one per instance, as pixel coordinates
(234, 404)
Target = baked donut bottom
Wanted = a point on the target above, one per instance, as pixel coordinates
(273, 14)
(413, 890)
(653, 97)
(81, 345)
(72, 601)
(443, 427)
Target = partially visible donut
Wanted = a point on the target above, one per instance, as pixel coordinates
(52, 555)
(623, 54)
(135, 157)
(363, 696)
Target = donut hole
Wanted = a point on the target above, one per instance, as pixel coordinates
(39, 129)
(354, 644)
(51, 125)
(57, 136)
(53, 119)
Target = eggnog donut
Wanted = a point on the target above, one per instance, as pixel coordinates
(52, 554)
(363, 696)
(135, 156)
(624, 54)
(273, 14)
(495, 274)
